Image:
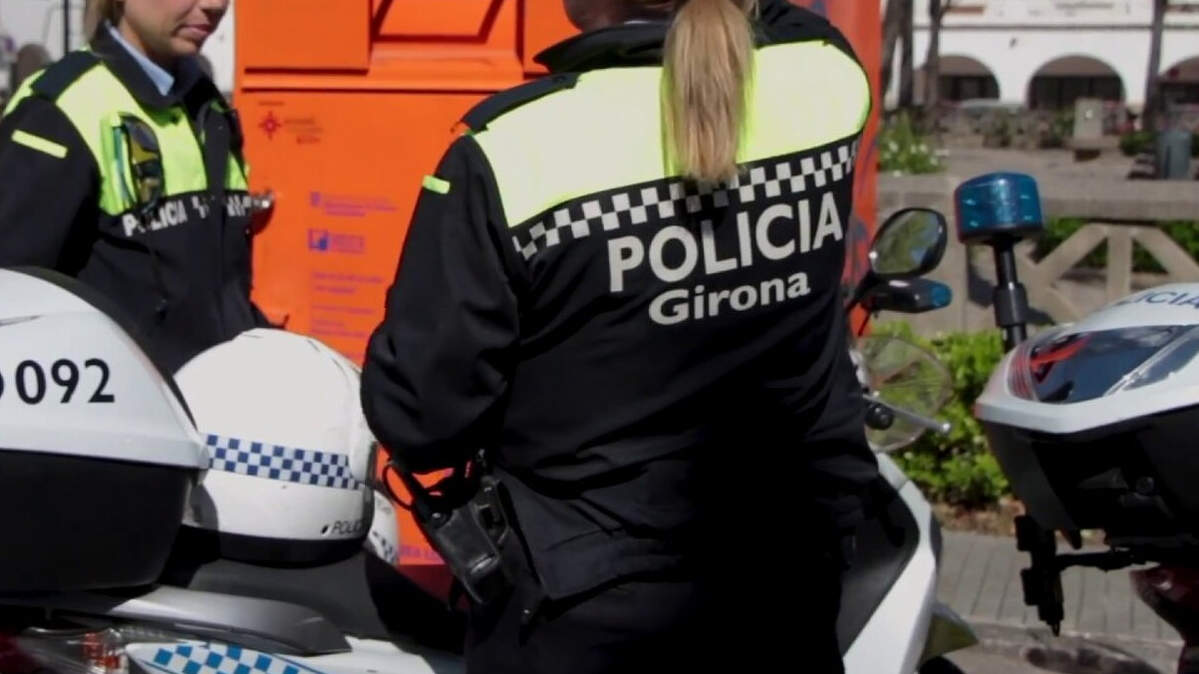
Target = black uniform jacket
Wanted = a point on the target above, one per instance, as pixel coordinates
(660, 383)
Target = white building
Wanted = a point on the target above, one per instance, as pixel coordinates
(25, 22)
(1046, 53)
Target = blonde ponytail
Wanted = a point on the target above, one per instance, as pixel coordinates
(708, 66)
(96, 12)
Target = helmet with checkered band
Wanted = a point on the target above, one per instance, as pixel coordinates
(289, 449)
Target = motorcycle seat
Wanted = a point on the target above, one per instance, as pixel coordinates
(362, 595)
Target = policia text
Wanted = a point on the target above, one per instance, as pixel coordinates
(779, 232)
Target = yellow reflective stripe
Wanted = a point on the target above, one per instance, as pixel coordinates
(116, 187)
(234, 178)
(22, 92)
(562, 146)
(40, 144)
(93, 104)
(435, 184)
(607, 131)
(805, 95)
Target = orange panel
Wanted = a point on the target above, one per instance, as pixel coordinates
(545, 24)
(303, 34)
(346, 183)
(465, 19)
(477, 52)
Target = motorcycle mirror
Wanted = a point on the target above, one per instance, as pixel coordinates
(909, 244)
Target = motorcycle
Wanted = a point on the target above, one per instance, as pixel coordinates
(140, 613)
(891, 621)
(1092, 422)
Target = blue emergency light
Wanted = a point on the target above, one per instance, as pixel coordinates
(998, 205)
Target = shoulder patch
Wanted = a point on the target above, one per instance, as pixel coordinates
(57, 77)
(494, 106)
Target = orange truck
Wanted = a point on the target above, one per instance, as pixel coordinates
(346, 109)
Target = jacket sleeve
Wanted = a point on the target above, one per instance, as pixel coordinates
(49, 185)
(438, 366)
(820, 404)
(842, 469)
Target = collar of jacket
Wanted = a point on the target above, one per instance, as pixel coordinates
(628, 44)
(131, 74)
(642, 43)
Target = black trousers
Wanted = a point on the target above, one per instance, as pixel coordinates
(664, 625)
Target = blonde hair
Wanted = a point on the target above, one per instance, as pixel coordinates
(96, 12)
(708, 67)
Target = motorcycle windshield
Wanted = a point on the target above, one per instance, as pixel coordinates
(1085, 366)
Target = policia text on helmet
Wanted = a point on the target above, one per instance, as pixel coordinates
(623, 284)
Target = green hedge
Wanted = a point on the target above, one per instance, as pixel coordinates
(957, 468)
(1057, 231)
(903, 148)
(1136, 142)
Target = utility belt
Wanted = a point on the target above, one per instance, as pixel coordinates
(466, 519)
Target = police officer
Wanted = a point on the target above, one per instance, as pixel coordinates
(121, 166)
(623, 283)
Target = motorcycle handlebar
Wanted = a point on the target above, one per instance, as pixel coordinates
(935, 425)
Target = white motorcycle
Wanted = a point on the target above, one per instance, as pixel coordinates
(122, 513)
(1094, 423)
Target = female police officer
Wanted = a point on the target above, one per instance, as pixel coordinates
(121, 166)
(624, 283)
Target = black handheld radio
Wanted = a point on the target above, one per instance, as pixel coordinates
(465, 520)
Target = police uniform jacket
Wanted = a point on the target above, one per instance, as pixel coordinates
(178, 266)
(653, 364)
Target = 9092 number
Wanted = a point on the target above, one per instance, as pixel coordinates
(32, 387)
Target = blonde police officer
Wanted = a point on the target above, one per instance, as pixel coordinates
(624, 283)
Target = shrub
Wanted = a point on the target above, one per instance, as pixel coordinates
(957, 468)
(999, 128)
(1136, 142)
(1060, 128)
(904, 149)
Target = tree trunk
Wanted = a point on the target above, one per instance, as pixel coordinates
(932, 63)
(1153, 103)
(891, 25)
(906, 74)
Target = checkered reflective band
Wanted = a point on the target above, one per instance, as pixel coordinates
(212, 659)
(637, 205)
(276, 462)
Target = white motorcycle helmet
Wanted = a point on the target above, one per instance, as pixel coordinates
(289, 449)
